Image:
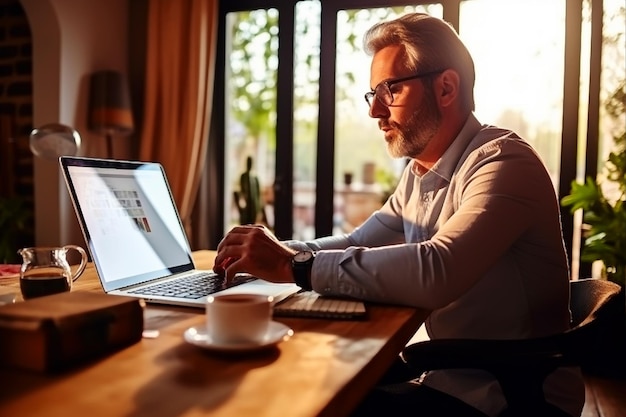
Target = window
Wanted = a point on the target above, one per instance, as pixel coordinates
(250, 73)
(281, 59)
(360, 151)
(519, 68)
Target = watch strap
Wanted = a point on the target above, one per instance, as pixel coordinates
(302, 272)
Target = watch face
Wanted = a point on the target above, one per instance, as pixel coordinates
(303, 256)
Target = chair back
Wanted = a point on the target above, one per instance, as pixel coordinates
(598, 334)
(521, 366)
(589, 298)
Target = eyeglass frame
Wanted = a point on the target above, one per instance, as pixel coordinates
(388, 83)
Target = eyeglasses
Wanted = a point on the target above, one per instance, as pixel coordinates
(383, 92)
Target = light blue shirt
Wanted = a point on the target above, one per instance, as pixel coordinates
(477, 239)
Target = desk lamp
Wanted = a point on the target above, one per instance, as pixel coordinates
(109, 106)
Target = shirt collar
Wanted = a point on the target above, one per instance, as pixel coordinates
(446, 165)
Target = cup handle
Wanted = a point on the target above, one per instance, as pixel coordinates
(83, 261)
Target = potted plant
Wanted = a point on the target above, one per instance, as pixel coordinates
(14, 218)
(603, 202)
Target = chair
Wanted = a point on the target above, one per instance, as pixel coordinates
(522, 365)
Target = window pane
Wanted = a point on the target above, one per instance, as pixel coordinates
(519, 68)
(305, 119)
(360, 150)
(613, 79)
(250, 100)
(612, 129)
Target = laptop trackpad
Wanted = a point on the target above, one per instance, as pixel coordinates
(279, 291)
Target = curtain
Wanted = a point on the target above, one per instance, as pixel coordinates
(180, 67)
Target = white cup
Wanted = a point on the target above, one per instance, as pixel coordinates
(238, 318)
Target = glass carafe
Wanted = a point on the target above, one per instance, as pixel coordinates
(46, 271)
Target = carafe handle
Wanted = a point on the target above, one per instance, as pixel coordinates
(83, 260)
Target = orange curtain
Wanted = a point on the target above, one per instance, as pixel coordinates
(180, 67)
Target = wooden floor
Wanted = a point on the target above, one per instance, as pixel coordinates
(604, 397)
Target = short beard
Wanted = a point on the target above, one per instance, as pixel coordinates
(417, 132)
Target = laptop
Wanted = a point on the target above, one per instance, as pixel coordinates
(136, 239)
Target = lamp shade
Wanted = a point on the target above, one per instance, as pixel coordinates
(109, 104)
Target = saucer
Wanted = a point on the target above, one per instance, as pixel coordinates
(277, 332)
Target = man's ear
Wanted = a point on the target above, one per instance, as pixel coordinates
(448, 85)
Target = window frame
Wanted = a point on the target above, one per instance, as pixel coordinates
(325, 174)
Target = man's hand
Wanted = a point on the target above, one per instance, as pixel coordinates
(255, 250)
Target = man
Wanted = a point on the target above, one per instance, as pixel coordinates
(472, 231)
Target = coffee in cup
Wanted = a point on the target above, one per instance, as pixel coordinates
(238, 318)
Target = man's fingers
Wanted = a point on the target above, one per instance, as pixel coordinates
(220, 268)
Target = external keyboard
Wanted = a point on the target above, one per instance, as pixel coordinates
(312, 304)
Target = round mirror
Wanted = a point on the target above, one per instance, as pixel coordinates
(53, 140)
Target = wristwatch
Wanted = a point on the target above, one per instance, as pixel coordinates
(301, 265)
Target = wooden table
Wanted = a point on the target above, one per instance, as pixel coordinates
(324, 369)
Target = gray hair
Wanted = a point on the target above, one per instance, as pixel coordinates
(429, 44)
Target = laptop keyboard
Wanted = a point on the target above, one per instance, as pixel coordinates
(192, 286)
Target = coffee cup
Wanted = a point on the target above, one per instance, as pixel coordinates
(238, 318)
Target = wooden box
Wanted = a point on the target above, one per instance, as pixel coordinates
(57, 332)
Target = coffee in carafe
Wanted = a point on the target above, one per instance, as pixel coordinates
(45, 271)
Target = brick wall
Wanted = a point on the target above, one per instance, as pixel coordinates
(16, 64)
(16, 111)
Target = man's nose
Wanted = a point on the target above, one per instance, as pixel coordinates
(378, 110)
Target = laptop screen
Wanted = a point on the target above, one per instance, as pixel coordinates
(129, 219)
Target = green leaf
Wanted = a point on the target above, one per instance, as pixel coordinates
(582, 196)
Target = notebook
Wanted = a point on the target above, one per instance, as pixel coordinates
(136, 239)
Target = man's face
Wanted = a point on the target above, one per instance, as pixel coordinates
(412, 119)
